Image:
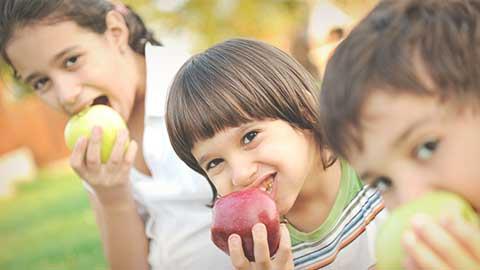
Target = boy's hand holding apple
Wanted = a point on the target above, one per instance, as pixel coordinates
(246, 226)
(101, 152)
(451, 243)
(437, 231)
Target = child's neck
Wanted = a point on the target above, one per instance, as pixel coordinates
(137, 115)
(316, 199)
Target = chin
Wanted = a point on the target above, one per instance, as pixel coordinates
(284, 206)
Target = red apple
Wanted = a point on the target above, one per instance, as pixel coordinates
(237, 212)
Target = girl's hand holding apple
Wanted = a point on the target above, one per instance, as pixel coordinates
(101, 152)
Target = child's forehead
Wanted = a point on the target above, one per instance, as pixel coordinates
(224, 133)
(386, 120)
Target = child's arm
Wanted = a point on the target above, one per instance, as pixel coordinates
(450, 244)
(121, 228)
(283, 258)
(122, 232)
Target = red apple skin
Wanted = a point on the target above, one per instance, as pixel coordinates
(238, 212)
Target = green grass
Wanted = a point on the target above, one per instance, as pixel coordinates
(48, 224)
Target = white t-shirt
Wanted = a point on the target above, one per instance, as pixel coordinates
(173, 201)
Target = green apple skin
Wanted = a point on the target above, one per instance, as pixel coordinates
(389, 251)
(82, 123)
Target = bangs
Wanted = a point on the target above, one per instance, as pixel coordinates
(234, 83)
(230, 103)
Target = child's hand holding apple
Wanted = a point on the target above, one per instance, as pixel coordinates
(246, 226)
(101, 152)
(451, 243)
(437, 231)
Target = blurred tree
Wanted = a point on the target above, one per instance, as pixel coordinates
(206, 22)
(355, 8)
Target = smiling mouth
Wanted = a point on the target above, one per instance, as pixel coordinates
(267, 185)
(101, 100)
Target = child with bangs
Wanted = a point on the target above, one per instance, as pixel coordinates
(400, 101)
(243, 112)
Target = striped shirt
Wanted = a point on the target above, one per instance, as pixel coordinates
(346, 239)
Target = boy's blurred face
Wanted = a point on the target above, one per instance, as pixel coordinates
(269, 154)
(414, 144)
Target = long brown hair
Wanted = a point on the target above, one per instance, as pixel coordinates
(89, 14)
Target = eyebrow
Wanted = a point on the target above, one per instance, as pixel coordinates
(58, 56)
(202, 159)
(408, 132)
(400, 139)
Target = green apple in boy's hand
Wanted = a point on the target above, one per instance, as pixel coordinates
(82, 123)
(389, 251)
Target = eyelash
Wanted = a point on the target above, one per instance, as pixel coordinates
(245, 137)
(382, 184)
(210, 164)
(75, 58)
(430, 145)
(43, 80)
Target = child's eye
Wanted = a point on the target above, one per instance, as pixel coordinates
(425, 150)
(212, 164)
(71, 61)
(248, 138)
(382, 184)
(40, 84)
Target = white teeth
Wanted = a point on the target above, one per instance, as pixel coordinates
(267, 185)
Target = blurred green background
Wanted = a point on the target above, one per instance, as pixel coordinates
(48, 225)
(45, 218)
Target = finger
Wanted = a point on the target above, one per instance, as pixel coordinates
(237, 256)
(421, 255)
(260, 247)
(442, 243)
(283, 256)
(93, 150)
(468, 235)
(409, 264)
(129, 157)
(78, 154)
(118, 150)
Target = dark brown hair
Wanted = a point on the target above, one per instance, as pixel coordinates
(420, 47)
(89, 14)
(235, 82)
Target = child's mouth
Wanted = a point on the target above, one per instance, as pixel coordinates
(267, 185)
(101, 100)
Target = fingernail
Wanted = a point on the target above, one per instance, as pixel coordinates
(258, 228)
(420, 221)
(445, 220)
(234, 239)
(96, 131)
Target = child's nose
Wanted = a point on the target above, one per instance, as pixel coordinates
(67, 91)
(409, 185)
(242, 172)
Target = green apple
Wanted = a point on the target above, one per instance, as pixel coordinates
(389, 251)
(82, 123)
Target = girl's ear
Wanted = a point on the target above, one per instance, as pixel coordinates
(117, 30)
